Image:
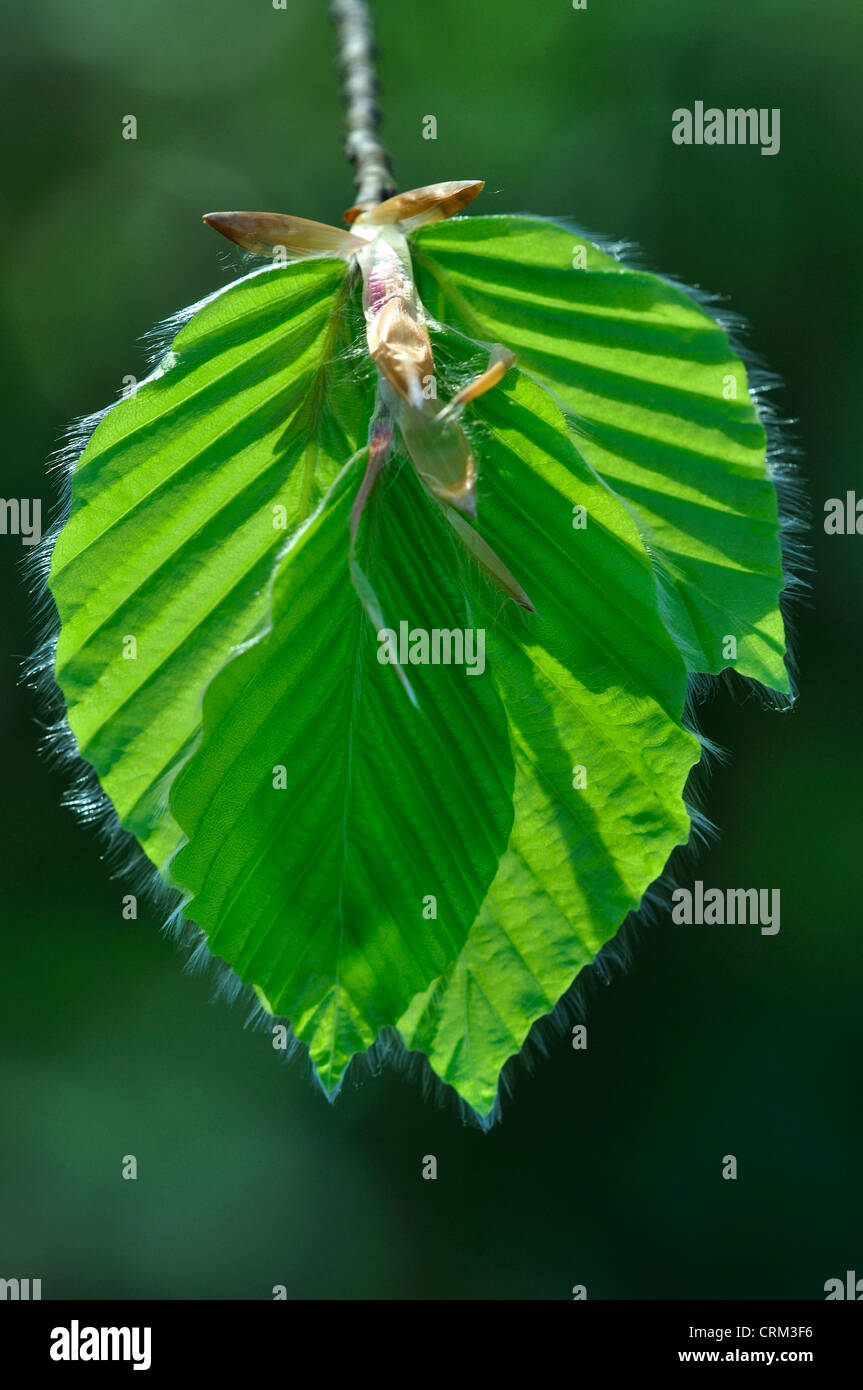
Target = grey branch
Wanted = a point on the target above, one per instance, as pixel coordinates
(356, 63)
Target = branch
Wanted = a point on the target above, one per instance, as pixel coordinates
(355, 61)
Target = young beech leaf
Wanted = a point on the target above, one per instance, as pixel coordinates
(343, 445)
(661, 409)
(593, 680)
(314, 890)
(181, 501)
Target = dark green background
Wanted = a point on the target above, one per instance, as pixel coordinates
(606, 1168)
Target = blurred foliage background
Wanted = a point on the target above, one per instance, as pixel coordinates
(606, 1168)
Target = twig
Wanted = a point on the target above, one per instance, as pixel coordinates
(356, 63)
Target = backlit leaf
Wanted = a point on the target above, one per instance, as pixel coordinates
(437, 848)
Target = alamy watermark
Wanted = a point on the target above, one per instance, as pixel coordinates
(844, 515)
(21, 517)
(20, 1290)
(727, 906)
(438, 646)
(850, 1287)
(734, 126)
(77, 1343)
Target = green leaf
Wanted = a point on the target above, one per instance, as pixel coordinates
(445, 866)
(172, 538)
(662, 411)
(315, 890)
(593, 681)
